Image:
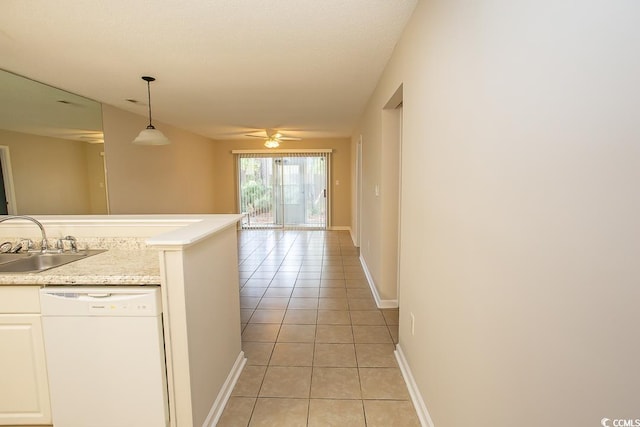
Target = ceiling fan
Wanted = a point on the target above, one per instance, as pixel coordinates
(273, 138)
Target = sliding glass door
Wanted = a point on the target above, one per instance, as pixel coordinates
(284, 190)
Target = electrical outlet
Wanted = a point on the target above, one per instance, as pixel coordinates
(413, 324)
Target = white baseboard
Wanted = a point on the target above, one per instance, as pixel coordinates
(353, 239)
(381, 303)
(340, 228)
(416, 396)
(223, 397)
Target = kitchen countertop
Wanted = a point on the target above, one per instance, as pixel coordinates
(116, 267)
(134, 241)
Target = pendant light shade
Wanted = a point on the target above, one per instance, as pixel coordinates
(150, 135)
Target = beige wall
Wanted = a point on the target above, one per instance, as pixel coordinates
(195, 174)
(96, 178)
(225, 173)
(175, 178)
(519, 211)
(51, 175)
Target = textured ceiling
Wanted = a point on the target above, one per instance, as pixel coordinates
(223, 67)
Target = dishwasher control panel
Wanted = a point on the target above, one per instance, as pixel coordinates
(119, 308)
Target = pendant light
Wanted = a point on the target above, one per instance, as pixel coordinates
(150, 135)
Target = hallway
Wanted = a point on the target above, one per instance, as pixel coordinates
(320, 353)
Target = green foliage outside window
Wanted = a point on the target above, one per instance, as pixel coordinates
(255, 197)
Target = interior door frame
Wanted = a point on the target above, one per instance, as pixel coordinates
(358, 219)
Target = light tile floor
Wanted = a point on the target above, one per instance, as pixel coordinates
(319, 351)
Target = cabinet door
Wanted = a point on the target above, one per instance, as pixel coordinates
(24, 389)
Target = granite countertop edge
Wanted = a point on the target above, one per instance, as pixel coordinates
(54, 280)
(111, 268)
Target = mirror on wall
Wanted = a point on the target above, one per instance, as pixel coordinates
(51, 150)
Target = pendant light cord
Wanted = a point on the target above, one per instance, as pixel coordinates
(149, 97)
(150, 135)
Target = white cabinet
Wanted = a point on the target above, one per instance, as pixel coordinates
(24, 389)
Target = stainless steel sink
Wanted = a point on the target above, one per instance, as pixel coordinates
(36, 262)
(4, 258)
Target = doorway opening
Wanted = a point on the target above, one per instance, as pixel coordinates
(391, 189)
(283, 190)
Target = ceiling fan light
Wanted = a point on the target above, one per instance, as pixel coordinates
(271, 143)
(151, 136)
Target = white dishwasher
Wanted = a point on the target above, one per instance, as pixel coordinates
(105, 356)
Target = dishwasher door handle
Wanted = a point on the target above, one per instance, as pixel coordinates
(100, 295)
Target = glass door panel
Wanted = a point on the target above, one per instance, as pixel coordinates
(293, 191)
(315, 179)
(257, 183)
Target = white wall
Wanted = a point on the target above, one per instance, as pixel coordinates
(520, 237)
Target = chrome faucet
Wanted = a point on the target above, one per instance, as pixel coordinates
(25, 244)
(72, 240)
(45, 244)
